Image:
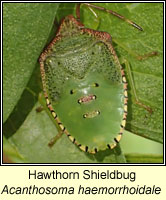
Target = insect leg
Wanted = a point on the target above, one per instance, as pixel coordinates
(132, 53)
(145, 56)
(54, 139)
(131, 81)
(39, 109)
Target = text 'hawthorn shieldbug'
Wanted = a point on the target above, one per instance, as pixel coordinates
(84, 84)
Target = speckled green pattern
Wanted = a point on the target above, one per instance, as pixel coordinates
(77, 62)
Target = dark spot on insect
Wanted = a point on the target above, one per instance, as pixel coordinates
(86, 148)
(74, 140)
(108, 146)
(79, 101)
(68, 135)
(121, 126)
(48, 104)
(96, 85)
(79, 145)
(46, 67)
(71, 92)
(96, 150)
(116, 140)
(120, 133)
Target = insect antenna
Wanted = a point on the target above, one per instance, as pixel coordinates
(108, 11)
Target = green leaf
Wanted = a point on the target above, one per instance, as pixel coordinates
(11, 153)
(26, 27)
(143, 158)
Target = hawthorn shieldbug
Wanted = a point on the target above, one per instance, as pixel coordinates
(85, 85)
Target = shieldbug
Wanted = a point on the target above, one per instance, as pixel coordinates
(85, 85)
